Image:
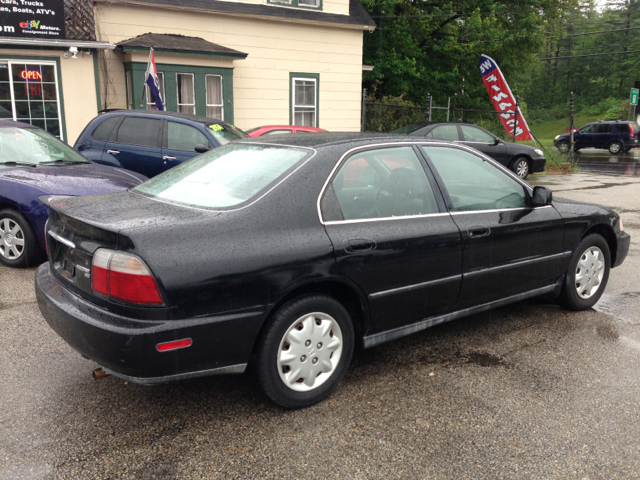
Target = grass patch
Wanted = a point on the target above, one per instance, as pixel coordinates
(559, 168)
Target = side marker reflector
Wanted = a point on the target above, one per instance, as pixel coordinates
(164, 347)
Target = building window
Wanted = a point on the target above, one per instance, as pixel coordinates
(129, 86)
(151, 100)
(186, 93)
(29, 93)
(214, 97)
(299, 3)
(304, 100)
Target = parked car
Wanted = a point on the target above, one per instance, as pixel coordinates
(280, 129)
(522, 159)
(616, 136)
(274, 253)
(150, 142)
(34, 163)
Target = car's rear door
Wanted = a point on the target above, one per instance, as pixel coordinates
(392, 236)
(93, 145)
(509, 246)
(179, 142)
(603, 136)
(136, 145)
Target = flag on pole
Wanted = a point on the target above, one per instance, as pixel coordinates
(151, 80)
(503, 100)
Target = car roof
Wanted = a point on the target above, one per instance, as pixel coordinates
(322, 139)
(12, 124)
(156, 113)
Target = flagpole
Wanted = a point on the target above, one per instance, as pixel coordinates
(146, 75)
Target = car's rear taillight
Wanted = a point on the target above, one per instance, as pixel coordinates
(631, 130)
(123, 277)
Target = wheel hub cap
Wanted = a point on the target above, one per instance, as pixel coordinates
(589, 272)
(309, 352)
(11, 239)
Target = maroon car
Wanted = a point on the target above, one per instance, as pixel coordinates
(278, 129)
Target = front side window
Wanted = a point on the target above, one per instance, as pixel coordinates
(382, 183)
(186, 93)
(473, 134)
(474, 183)
(184, 137)
(588, 129)
(151, 99)
(444, 132)
(215, 105)
(304, 100)
(225, 177)
(140, 131)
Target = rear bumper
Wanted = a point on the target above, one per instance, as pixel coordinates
(127, 347)
(624, 240)
(537, 164)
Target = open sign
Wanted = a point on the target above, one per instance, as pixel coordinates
(31, 75)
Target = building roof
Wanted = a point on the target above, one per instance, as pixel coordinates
(171, 43)
(357, 13)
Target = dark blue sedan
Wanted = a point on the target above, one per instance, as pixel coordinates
(150, 142)
(34, 163)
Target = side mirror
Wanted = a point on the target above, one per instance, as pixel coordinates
(200, 148)
(496, 141)
(542, 196)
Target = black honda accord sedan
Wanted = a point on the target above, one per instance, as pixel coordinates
(285, 254)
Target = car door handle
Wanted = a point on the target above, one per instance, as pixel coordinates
(360, 245)
(167, 157)
(477, 231)
(113, 152)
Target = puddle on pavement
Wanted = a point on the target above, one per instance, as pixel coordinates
(614, 304)
(486, 360)
(599, 162)
(607, 331)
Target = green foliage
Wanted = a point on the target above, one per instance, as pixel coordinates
(384, 118)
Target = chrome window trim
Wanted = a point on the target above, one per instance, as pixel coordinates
(463, 212)
(376, 219)
(440, 143)
(415, 286)
(213, 210)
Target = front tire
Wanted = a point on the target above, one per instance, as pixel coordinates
(18, 245)
(521, 167)
(563, 147)
(615, 148)
(588, 273)
(304, 351)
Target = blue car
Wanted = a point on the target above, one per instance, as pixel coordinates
(150, 142)
(34, 163)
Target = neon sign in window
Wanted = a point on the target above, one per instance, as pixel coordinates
(32, 75)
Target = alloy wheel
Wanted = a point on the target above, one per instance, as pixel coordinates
(11, 239)
(522, 168)
(589, 272)
(309, 352)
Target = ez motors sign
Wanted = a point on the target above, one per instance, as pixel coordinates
(32, 19)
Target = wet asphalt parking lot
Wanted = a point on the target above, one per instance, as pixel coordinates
(525, 391)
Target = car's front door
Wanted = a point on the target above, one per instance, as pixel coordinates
(510, 247)
(178, 144)
(392, 236)
(136, 145)
(479, 139)
(585, 136)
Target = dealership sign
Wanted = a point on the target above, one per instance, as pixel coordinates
(503, 100)
(32, 19)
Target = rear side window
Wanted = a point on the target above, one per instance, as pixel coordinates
(604, 128)
(444, 132)
(105, 128)
(140, 131)
(184, 137)
(473, 134)
(623, 128)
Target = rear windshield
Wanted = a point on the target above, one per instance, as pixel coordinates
(226, 176)
(409, 128)
(225, 133)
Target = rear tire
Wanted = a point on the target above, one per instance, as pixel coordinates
(588, 273)
(304, 351)
(615, 148)
(18, 245)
